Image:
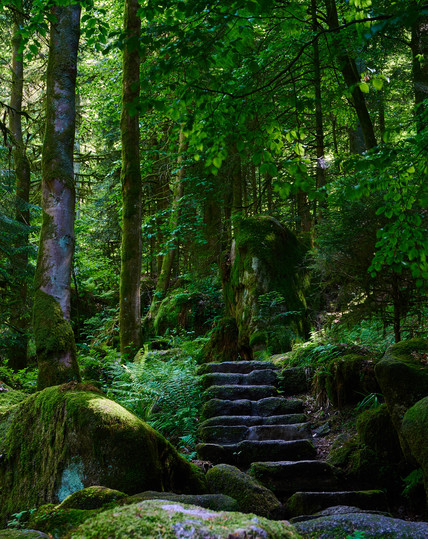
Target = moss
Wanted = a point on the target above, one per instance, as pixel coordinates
(376, 431)
(62, 425)
(252, 496)
(415, 431)
(92, 498)
(9, 397)
(57, 521)
(54, 338)
(170, 520)
(21, 534)
(223, 341)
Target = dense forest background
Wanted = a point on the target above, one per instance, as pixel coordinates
(196, 118)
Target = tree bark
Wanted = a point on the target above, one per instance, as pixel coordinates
(56, 353)
(20, 316)
(130, 275)
(351, 76)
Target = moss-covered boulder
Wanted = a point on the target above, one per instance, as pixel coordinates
(346, 379)
(65, 438)
(223, 341)
(403, 378)
(92, 498)
(252, 496)
(170, 520)
(216, 502)
(264, 285)
(376, 431)
(9, 397)
(57, 521)
(414, 428)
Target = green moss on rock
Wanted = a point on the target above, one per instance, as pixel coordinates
(376, 431)
(403, 378)
(65, 428)
(22, 534)
(57, 521)
(170, 520)
(415, 431)
(91, 498)
(223, 342)
(252, 496)
(264, 289)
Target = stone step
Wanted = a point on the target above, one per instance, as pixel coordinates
(243, 367)
(231, 392)
(267, 407)
(308, 503)
(285, 477)
(232, 434)
(251, 420)
(264, 377)
(242, 454)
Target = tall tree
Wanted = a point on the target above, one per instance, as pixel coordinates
(19, 316)
(56, 352)
(130, 277)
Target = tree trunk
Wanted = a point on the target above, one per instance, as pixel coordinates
(351, 76)
(20, 316)
(130, 275)
(56, 353)
(419, 46)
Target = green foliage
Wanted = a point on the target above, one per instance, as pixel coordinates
(370, 402)
(412, 482)
(163, 392)
(19, 520)
(25, 379)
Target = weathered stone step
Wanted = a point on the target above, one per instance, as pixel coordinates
(240, 392)
(243, 367)
(242, 454)
(232, 434)
(263, 407)
(264, 377)
(251, 420)
(308, 503)
(285, 477)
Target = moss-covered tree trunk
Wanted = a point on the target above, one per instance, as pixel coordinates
(56, 353)
(130, 275)
(20, 316)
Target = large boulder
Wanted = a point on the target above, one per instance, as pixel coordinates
(169, 520)
(65, 438)
(403, 378)
(264, 285)
(252, 496)
(414, 428)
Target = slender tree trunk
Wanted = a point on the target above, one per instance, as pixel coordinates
(419, 46)
(350, 73)
(20, 316)
(130, 275)
(170, 256)
(56, 353)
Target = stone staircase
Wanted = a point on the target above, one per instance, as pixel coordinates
(248, 424)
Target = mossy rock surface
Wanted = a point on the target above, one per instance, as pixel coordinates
(403, 378)
(65, 438)
(223, 342)
(92, 498)
(9, 397)
(57, 521)
(252, 496)
(264, 287)
(169, 520)
(347, 379)
(216, 502)
(415, 431)
(376, 431)
(373, 526)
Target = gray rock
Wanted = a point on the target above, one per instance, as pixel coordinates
(373, 526)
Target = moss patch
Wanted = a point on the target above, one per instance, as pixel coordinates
(57, 521)
(170, 520)
(92, 498)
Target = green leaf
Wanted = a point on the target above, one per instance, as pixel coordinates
(364, 87)
(377, 83)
